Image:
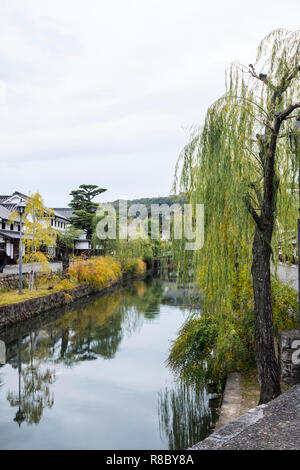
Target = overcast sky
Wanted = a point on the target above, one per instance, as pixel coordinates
(104, 92)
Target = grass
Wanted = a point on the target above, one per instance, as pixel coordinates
(13, 296)
(250, 390)
(98, 272)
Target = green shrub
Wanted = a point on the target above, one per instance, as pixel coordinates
(225, 341)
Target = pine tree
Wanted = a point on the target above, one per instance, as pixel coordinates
(84, 207)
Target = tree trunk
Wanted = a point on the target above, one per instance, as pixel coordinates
(65, 256)
(267, 364)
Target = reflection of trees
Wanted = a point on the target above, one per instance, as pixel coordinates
(184, 415)
(90, 331)
(98, 328)
(34, 394)
(86, 333)
(145, 298)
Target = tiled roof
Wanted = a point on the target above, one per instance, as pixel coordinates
(66, 212)
(8, 234)
(19, 194)
(7, 209)
(3, 198)
(4, 213)
(10, 207)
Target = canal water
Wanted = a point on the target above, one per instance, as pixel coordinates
(94, 376)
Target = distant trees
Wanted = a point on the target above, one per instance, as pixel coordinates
(148, 201)
(84, 207)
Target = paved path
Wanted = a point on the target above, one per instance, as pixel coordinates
(288, 274)
(14, 268)
(275, 426)
(232, 399)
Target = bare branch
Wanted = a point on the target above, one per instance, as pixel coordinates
(257, 192)
(262, 76)
(285, 114)
(292, 117)
(252, 211)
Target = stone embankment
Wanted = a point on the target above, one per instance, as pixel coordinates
(275, 426)
(18, 312)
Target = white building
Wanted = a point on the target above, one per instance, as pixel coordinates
(10, 230)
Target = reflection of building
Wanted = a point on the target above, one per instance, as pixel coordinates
(10, 229)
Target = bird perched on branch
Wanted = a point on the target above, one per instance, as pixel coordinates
(263, 76)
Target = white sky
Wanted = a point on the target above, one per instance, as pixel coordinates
(104, 92)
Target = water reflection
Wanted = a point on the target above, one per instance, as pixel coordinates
(96, 329)
(184, 415)
(34, 385)
(45, 352)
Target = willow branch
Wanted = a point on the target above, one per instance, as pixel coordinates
(249, 101)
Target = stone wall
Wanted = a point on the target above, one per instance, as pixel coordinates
(274, 426)
(289, 356)
(11, 281)
(18, 312)
(13, 314)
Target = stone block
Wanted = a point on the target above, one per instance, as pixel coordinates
(289, 356)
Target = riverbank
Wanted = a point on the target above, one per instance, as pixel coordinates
(21, 311)
(274, 426)
(101, 360)
(241, 394)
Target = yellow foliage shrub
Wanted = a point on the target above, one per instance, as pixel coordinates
(97, 272)
(101, 271)
(66, 284)
(140, 266)
(133, 266)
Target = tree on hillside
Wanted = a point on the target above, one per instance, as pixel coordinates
(84, 207)
(241, 167)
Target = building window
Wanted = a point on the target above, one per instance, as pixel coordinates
(19, 228)
(11, 226)
(3, 225)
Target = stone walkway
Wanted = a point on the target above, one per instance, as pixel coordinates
(288, 274)
(232, 398)
(275, 426)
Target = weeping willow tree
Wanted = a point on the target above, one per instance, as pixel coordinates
(240, 165)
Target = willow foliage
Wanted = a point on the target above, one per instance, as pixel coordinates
(223, 165)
